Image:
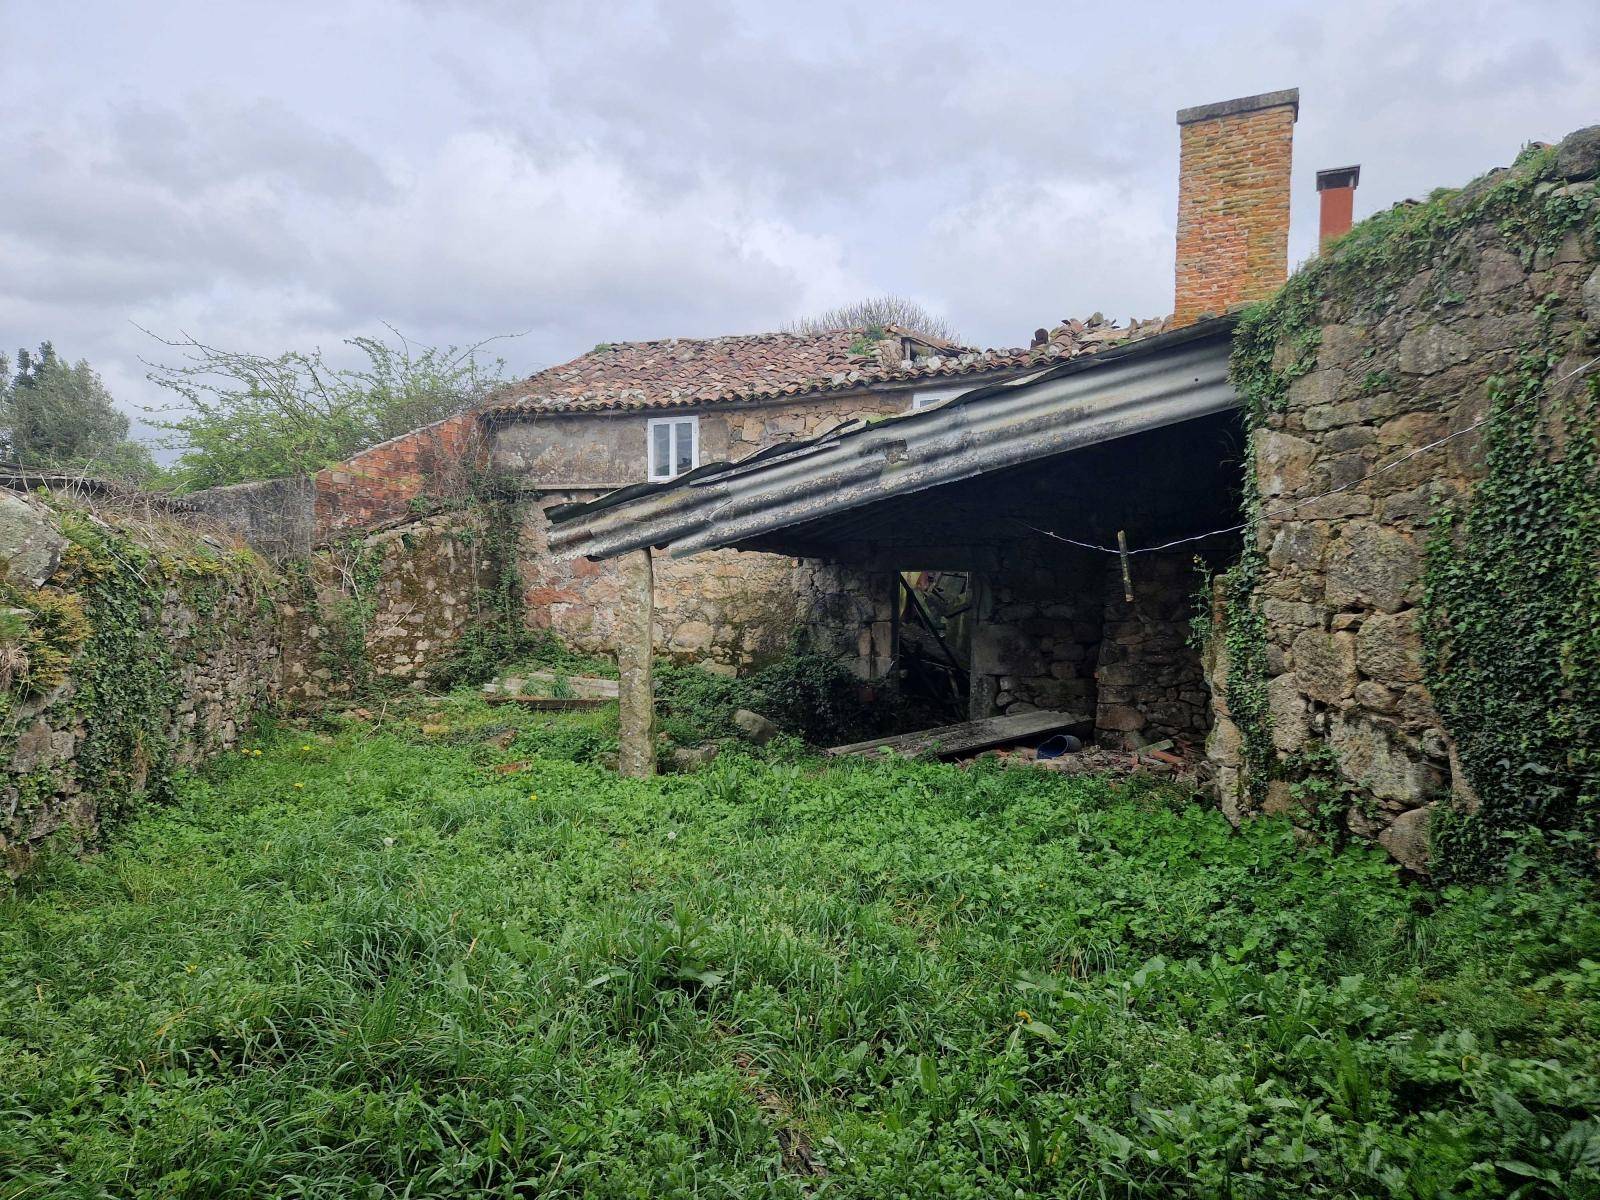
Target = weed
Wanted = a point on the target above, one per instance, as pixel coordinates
(365, 963)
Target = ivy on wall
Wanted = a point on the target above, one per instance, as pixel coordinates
(98, 623)
(1510, 613)
(499, 633)
(1512, 630)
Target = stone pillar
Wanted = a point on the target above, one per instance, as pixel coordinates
(636, 756)
(982, 662)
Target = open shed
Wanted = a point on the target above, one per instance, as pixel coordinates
(1030, 487)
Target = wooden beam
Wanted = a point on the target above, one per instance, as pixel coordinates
(636, 752)
(947, 741)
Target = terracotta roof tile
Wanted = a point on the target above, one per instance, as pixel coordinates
(684, 372)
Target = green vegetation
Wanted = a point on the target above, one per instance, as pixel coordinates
(99, 621)
(249, 416)
(58, 416)
(874, 315)
(1513, 631)
(1510, 624)
(370, 961)
(807, 695)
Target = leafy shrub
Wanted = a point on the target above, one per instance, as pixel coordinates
(808, 695)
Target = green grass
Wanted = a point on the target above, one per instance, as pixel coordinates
(364, 964)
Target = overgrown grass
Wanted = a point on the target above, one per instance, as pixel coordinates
(367, 963)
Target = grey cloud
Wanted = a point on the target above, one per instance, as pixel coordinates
(214, 142)
(652, 168)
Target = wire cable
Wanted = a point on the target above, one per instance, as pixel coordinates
(1297, 504)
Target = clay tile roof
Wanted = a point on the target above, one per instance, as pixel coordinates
(685, 372)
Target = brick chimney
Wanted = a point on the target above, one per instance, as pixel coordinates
(1233, 201)
(1337, 187)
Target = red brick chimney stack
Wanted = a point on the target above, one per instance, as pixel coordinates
(1233, 201)
(1337, 187)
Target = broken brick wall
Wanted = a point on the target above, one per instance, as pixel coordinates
(388, 482)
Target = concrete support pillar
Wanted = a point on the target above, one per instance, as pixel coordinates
(635, 631)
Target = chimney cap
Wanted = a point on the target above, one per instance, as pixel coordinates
(1338, 177)
(1244, 104)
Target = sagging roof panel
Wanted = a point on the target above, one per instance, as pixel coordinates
(1150, 383)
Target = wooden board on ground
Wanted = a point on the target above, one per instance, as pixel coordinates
(550, 703)
(544, 683)
(947, 741)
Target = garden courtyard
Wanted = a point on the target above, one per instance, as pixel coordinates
(439, 949)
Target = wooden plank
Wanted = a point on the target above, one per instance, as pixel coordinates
(947, 741)
(542, 683)
(550, 703)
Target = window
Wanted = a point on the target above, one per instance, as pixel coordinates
(673, 447)
(932, 396)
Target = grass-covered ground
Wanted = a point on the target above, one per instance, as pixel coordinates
(364, 962)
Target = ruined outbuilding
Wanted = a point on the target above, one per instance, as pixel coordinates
(1302, 452)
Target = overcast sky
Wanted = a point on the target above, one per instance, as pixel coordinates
(285, 175)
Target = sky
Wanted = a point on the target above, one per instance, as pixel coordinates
(286, 175)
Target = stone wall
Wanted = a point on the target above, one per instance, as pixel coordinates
(1350, 479)
(724, 607)
(602, 450)
(1054, 631)
(277, 517)
(1036, 635)
(846, 613)
(131, 648)
(1148, 675)
(728, 608)
(404, 596)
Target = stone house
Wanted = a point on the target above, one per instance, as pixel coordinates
(633, 413)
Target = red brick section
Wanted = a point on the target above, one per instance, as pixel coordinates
(378, 485)
(1233, 202)
(1337, 188)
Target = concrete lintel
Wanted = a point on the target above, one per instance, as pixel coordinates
(1244, 104)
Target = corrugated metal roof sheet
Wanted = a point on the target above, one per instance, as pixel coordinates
(1144, 384)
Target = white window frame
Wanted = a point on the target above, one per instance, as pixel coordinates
(931, 397)
(670, 471)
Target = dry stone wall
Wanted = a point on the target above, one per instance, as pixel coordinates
(845, 613)
(1352, 462)
(131, 647)
(388, 606)
(1150, 685)
(1036, 637)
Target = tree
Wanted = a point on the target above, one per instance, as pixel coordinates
(59, 416)
(878, 312)
(247, 416)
